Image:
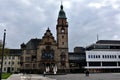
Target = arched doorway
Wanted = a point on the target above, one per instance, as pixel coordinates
(49, 67)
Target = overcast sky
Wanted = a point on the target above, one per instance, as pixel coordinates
(26, 19)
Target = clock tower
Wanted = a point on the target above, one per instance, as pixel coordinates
(62, 38)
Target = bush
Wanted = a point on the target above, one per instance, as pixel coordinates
(5, 75)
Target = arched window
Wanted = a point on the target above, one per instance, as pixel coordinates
(63, 56)
(48, 54)
(48, 47)
(62, 37)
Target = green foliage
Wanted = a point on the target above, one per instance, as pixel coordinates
(5, 75)
(6, 52)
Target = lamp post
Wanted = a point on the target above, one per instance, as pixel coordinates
(2, 54)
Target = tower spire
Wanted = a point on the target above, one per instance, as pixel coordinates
(61, 5)
(61, 2)
(61, 12)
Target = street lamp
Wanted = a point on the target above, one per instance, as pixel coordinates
(2, 54)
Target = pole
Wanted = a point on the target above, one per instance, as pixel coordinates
(2, 54)
(97, 37)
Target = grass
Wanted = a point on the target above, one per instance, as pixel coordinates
(5, 75)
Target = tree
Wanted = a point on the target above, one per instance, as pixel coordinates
(6, 50)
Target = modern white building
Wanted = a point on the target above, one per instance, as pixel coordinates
(104, 56)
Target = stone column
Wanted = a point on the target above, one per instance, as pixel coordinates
(117, 64)
(101, 64)
(87, 64)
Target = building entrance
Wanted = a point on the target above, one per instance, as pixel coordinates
(8, 69)
(50, 68)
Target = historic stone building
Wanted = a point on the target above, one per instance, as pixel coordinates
(11, 62)
(48, 54)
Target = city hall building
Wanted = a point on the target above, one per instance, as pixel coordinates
(103, 56)
(47, 54)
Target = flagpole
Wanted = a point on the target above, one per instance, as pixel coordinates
(2, 54)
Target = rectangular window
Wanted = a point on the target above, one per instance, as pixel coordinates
(62, 37)
(110, 56)
(94, 63)
(88, 56)
(4, 68)
(118, 63)
(98, 56)
(103, 56)
(28, 51)
(13, 63)
(12, 69)
(119, 56)
(27, 59)
(62, 43)
(107, 56)
(91, 56)
(13, 57)
(109, 63)
(9, 62)
(27, 65)
(5, 62)
(34, 65)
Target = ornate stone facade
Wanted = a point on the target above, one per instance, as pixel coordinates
(48, 54)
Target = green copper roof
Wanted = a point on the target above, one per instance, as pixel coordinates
(61, 13)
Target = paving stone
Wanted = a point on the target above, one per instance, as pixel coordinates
(95, 76)
(28, 77)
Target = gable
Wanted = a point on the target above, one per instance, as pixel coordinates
(48, 38)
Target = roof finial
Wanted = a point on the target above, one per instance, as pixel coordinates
(61, 2)
(61, 5)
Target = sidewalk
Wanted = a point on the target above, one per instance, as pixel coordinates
(28, 77)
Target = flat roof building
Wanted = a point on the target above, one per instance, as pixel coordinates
(103, 56)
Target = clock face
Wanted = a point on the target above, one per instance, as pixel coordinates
(48, 55)
(62, 30)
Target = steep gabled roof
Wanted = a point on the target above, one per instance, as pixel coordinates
(48, 38)
(33, 43)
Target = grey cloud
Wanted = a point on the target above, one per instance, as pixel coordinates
(30, 19)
